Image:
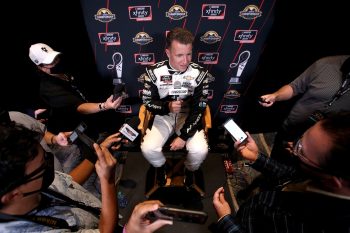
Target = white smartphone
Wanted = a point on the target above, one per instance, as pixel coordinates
(236, 132)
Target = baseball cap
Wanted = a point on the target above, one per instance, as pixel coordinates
(42, 54)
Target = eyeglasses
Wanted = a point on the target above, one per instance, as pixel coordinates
(298, 151)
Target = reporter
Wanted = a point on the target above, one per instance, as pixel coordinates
(66, 157)
(313, 194)
(68, 106)
(35, 198)
(323, 88)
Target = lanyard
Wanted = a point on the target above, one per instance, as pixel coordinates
(342, 90)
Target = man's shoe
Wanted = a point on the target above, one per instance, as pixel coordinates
(189, 178)
(161, 175)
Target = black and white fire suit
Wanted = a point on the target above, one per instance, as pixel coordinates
(191, 86)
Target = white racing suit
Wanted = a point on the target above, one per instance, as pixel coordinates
(160, 80)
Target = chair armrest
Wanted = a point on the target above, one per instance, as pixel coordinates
(207, 118)
(144, 116)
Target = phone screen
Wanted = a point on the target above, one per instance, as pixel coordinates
(236, 132)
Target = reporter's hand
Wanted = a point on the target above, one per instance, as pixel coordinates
(105, 164)
(221, 206)
(248, 150)
(61, 139)
(110, 104)
(138, 223)
(289, 147)
(112, 141)
(269, 100)
(175, 106)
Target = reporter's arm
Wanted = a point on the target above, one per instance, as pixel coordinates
(82, 172)
(89, 108)
(105, 168)
(282, 94)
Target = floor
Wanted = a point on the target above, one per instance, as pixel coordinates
(132, 185)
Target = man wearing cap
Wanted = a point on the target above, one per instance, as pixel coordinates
(67, 103)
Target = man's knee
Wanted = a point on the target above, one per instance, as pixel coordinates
(149, 147)
(199, 148)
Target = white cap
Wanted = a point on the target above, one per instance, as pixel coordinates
(42, 54)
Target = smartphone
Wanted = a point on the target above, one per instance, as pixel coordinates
(176, 214)
(75, 134)
(236, 132)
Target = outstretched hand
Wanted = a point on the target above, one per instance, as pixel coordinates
(105, 164)
(112, 141)
(138, 223)
(221, 206)
(62, 138)
(110, 104)
(248, 150)
(267, 100)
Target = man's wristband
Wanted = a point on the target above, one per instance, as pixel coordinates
(102, 106)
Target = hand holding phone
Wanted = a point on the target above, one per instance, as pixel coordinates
(176, 214)
(236, 132)
(263, 100)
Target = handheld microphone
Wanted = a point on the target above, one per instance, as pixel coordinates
(129, 129)
(177, 90)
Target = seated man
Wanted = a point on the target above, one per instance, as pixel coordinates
(175, 91)
(317, 197)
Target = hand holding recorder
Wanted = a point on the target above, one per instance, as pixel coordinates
(176, 214)
(139, 223)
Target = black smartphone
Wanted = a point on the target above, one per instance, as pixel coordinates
(236, 132)
(75, 134)
(177, 214)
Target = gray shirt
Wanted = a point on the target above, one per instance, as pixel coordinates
(317, 85)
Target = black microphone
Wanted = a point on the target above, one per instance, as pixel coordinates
(119, 88)
(129, 129)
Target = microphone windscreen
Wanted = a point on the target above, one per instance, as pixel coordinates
(177, 85)
(129, 129)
